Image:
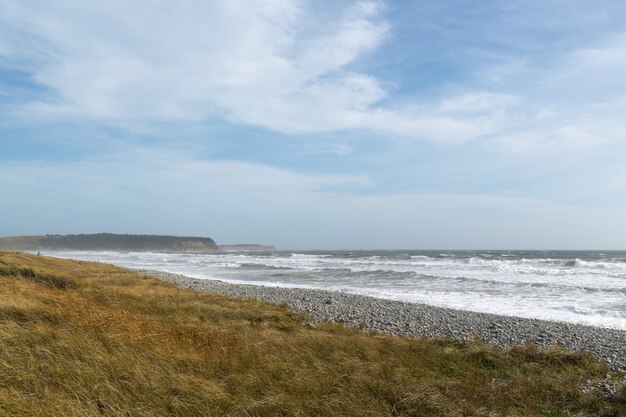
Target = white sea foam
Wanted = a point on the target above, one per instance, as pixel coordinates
(552, 286)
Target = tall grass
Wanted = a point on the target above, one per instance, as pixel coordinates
(88, 339)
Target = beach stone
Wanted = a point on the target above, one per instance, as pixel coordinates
(421, 320)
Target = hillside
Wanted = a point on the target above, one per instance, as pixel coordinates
(109, 241)
(89, 339)
(20, 242)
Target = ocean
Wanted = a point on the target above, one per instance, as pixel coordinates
(585, 287)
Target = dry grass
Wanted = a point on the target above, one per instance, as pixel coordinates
(88, 339)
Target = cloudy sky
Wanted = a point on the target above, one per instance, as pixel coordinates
(317, 124)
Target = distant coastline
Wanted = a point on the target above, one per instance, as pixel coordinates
(109, 241)
(124, 242)
(246, 247)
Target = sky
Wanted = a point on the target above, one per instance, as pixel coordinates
(438, 124)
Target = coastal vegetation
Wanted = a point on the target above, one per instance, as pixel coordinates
(90, 339)
(110, 241)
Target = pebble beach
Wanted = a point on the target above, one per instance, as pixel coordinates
(421, 320)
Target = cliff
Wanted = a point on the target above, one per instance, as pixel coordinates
(110, 241)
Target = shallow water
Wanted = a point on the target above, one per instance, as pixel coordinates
(581, 287)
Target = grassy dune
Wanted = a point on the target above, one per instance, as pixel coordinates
(88, 339)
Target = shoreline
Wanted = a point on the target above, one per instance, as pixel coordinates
(421, 320)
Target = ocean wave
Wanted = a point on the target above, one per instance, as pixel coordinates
(572, 286)
(251, 265)
(310, 256)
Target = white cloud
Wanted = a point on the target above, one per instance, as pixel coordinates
(430, 125)
(283, 66)
(563, 140)
(479, 102)
(190, 61)
(593, 73)
(271, 64)
(571, 106)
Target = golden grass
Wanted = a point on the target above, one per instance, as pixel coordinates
(88, 339)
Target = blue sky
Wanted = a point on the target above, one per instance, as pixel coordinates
(433, 124)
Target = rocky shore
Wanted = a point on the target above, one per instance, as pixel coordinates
(416, 320)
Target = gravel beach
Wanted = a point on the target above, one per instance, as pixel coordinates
(417, 320)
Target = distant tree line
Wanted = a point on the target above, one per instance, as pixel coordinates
(112, 241)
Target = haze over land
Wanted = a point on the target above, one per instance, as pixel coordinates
(367, 124)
